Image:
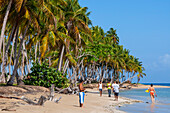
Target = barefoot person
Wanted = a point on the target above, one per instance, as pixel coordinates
(109, 88)
(81, 94)
(115, 87)
(152, 93)
(100, 86)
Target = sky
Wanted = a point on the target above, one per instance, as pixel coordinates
(143, 27)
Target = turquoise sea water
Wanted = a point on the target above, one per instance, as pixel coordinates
(162, 101)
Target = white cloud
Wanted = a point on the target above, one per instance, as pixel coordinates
(165, 60)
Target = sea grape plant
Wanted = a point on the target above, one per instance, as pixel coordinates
(43, 75)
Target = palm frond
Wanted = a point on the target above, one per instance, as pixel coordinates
(71, 59)
(44, 45)
(18, 5)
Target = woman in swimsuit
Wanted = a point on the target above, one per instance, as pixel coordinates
(152, 93)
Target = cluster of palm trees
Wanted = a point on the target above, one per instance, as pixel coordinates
(58, 32)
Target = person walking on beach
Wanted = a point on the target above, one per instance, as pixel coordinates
(115, 87)
(100, 86)
(109, 88)
(81, 93)
(152, 93)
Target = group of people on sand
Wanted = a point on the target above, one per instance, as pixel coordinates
(111, 87)
(115, 88)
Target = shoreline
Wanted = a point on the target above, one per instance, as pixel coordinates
(141, 86)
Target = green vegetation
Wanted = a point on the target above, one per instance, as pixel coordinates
(43, 75)
(57, 33)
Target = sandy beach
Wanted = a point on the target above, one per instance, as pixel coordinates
(68, 103)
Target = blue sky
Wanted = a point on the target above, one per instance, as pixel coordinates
(143, 27)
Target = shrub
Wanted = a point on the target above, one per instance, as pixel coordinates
(43, 75)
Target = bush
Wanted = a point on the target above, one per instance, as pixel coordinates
(43, 75)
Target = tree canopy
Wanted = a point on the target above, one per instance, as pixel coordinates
(61, 34)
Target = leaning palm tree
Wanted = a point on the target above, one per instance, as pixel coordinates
(75, 21)
(2, 4)
(26, 14)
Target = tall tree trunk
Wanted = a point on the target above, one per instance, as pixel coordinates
(36, 51)
(102, 73)
(106, 75)
(61, 57)
(4, 23)
(11, 55)
(117, 72)
(65, 66)
(39, 57)
(23, 64)
(113, 75)
(11, 80)
(122, 75)
(5, 51)
(3, 63)
(26, 56)
(49, 58)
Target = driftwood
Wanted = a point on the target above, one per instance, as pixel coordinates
(51, 92)
(40, 102)
(9, 97)
(28, 101)
(57, 89)
(6, 109)
(67, 90)
(57, 100)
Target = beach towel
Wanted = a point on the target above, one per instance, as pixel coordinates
(81, 97)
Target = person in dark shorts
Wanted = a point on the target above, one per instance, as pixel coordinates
(100, 86)
(115, 87)
(109, 87)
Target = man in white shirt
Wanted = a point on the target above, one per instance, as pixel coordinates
(115, 87)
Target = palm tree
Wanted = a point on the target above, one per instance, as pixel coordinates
(112, 34)
(4, 21)
(75, 21)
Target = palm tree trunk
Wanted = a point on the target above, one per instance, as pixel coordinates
(36, 51)
(25, 54)
(49, 58)
(61, 57)
(11, 80)
(23, 65)
(113, 75)
(39, 57)
(102, 73)
(5, 51)
(11, 56)
(3, 63)
(65, 66)
(106, 73)
(4, 23)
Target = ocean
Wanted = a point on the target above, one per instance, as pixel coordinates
(162, 101)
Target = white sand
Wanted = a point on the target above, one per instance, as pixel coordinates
(68, 104)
